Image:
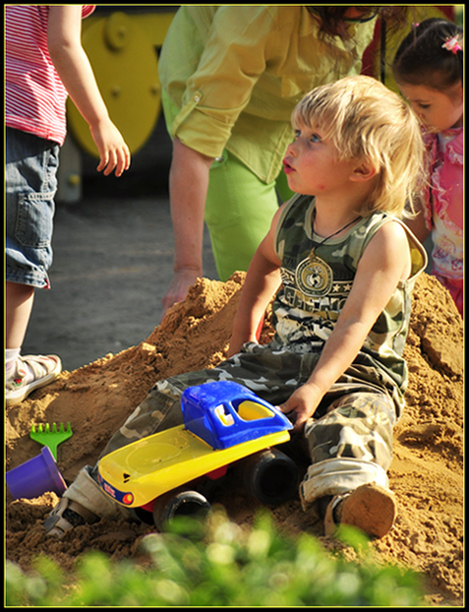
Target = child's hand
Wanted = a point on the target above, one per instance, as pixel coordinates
(113, 151)
(236, 342)
(303, 403)
(242, 334)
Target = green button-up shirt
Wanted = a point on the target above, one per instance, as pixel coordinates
(235, 73)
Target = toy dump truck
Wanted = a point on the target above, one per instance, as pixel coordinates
(225, 426)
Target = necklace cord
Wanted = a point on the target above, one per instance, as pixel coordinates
(313, 250)
(338, 231)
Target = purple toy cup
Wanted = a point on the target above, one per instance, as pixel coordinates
(36, 476)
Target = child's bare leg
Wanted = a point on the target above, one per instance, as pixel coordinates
(23, 374)
(19, 304)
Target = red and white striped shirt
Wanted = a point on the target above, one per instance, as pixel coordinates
(34, 94)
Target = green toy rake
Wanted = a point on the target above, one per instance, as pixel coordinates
(53, 438)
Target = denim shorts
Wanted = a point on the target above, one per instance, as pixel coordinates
(31, 184)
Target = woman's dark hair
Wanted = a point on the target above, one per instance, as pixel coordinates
(332, 18)
(423, 59)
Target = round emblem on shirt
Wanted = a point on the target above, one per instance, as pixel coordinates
(314, 277)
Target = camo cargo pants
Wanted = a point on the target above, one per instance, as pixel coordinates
(349, 438)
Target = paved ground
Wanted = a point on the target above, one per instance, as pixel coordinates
(113, 255)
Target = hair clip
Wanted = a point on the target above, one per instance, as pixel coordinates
(452, 44)
(415, 25)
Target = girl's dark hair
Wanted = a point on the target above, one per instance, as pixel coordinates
(421, 58)
(332, 18)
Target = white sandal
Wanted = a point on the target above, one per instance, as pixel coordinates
(46, 368)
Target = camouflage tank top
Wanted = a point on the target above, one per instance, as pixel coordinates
(314, 289)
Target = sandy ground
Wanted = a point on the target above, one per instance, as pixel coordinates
(426, 473)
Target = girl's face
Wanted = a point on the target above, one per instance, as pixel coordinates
(438, 111)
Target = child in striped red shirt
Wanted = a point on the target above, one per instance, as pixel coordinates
(44, 63)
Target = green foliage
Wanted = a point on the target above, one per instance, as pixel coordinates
(225, 566)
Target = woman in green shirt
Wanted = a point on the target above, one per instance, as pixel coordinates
(231, 76)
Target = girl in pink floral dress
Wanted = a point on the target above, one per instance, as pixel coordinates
(428, 70)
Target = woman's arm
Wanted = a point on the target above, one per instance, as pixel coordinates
(385, 261)
(188, 185)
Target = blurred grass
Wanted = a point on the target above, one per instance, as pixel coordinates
(222, 565)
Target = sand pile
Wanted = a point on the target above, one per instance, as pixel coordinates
(426, 473)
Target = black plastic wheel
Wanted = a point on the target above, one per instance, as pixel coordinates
(270, 476)
(184, 503)
(145, 516)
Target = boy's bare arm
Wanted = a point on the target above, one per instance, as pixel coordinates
(385, 262)
(262, 281)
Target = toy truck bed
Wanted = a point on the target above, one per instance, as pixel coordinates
(223, 422)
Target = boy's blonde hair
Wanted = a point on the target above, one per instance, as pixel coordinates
(366, 121)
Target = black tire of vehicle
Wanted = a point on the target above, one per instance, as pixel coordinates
(270, 476)
(144, 516)
(184, 503)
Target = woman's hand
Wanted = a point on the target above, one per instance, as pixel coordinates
(179, 286)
